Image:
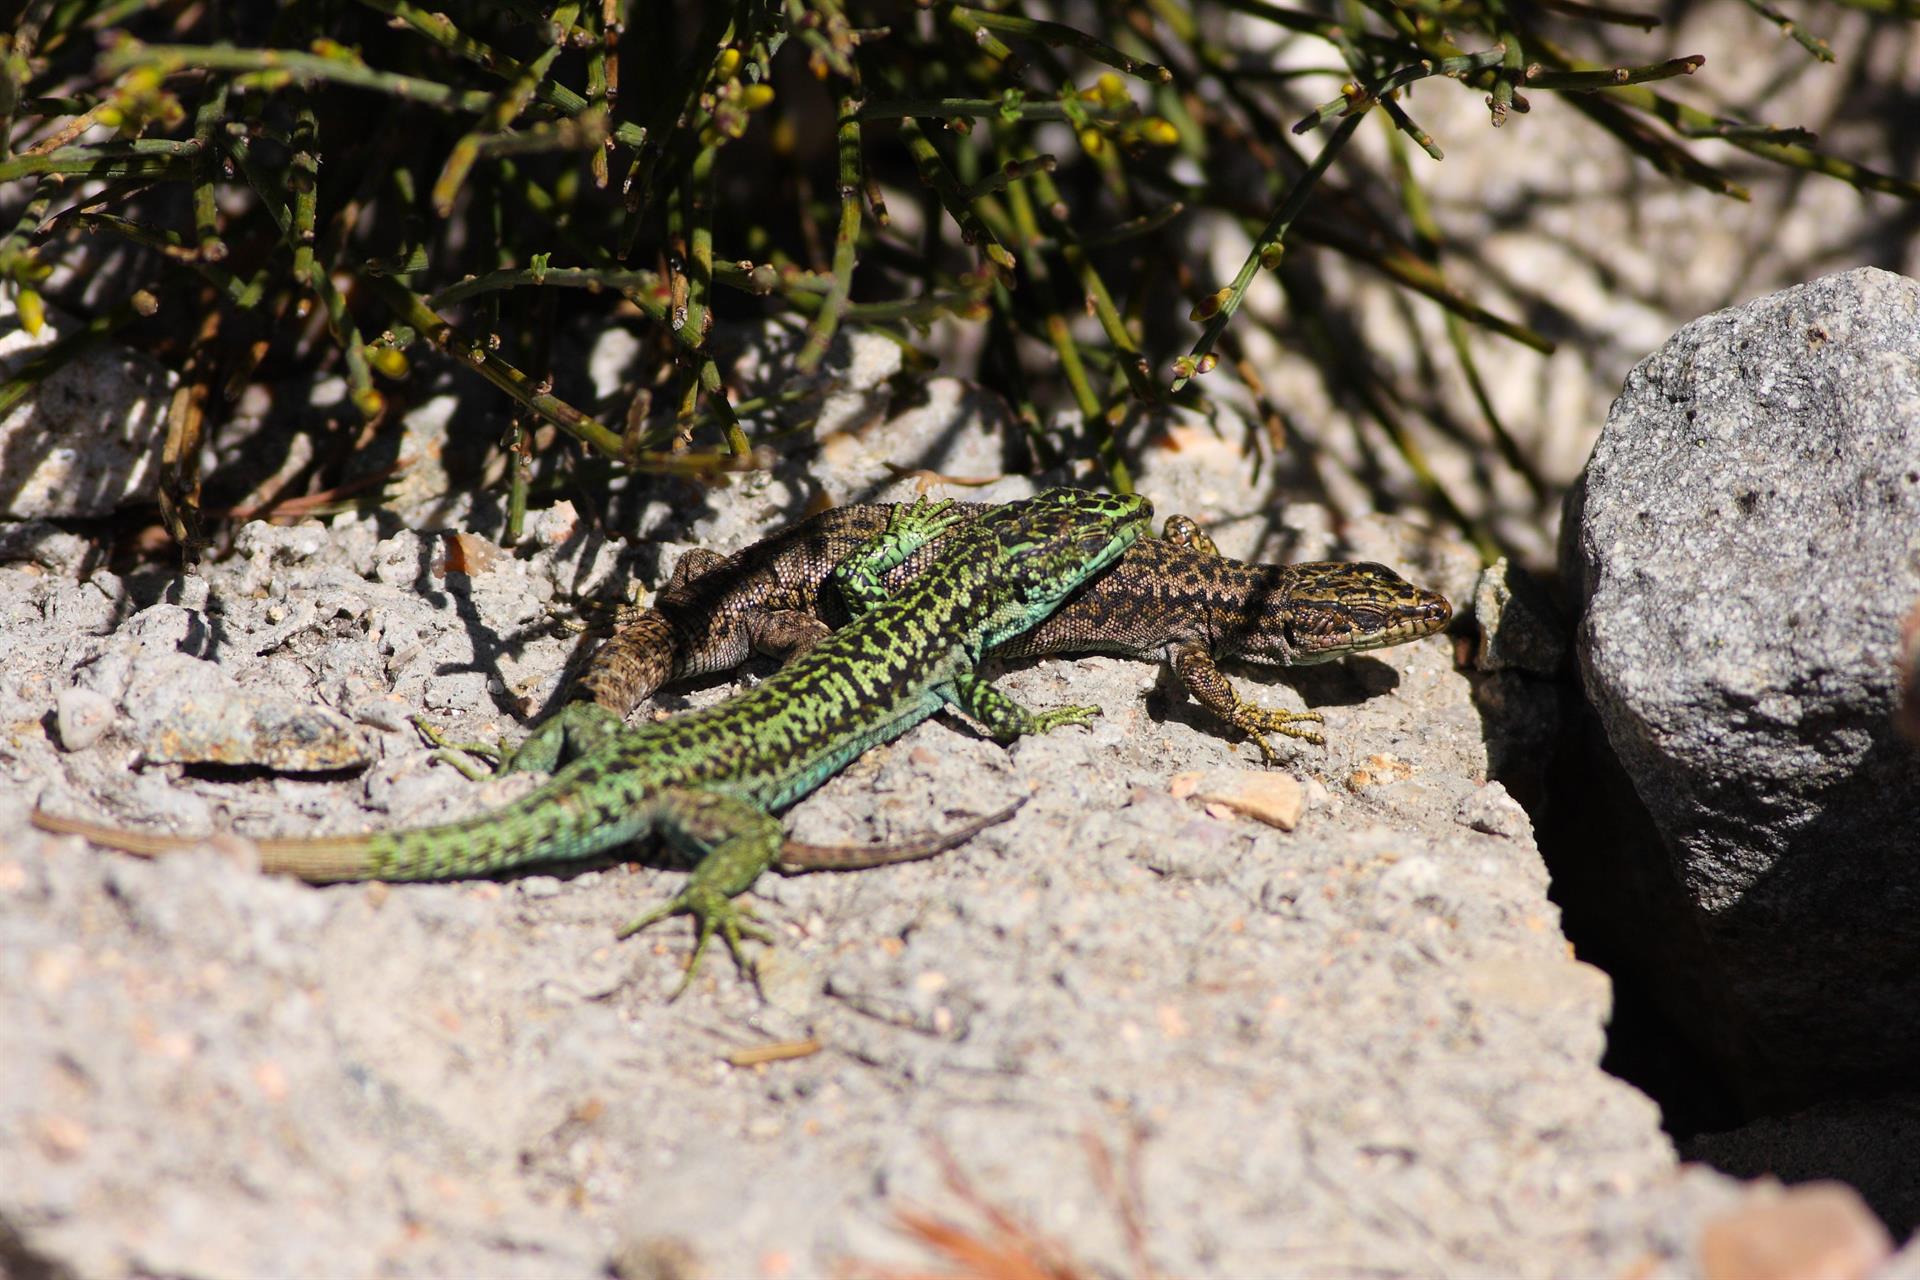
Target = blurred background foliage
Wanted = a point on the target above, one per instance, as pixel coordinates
(1068, 201)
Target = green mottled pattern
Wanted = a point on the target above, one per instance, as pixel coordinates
(767, 747)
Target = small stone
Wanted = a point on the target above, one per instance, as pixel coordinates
(471, 554)
(1273, 798)
(556, 525)
(1378, 770)
(1519, 627)
(82, 716)
(235, 728)
(1489, 808)
(1813, 1231)
(401, 560)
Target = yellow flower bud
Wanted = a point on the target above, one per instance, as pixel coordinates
(388, 362)
(33, 311)
(1159, 132)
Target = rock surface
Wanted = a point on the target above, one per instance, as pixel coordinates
(1742, 548)
(1153, 1030)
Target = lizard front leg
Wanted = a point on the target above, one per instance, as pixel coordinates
(860, 576)
(1004, 718)
(1210, 688)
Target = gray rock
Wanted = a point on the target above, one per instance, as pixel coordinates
(1492, 810)
(1742, 547)
(185, 710)
(1520, 630)
(1356, 1046)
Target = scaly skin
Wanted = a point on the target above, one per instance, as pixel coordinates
(709, 781)
(1176, 595)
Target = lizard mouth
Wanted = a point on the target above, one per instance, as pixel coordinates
(1351, 608)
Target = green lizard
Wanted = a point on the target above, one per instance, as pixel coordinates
(709, 781)
(1175, 595)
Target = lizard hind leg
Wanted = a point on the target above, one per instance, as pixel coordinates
(734, 841)
(569, 733)
(1005, 718)
(1183, 531)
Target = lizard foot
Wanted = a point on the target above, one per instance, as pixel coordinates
(1045, 720)
(716, 913)
(1257, 722)
(455, 753)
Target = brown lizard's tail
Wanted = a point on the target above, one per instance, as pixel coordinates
(637, 659)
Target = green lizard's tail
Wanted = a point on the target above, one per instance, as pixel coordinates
(320, 860)
(558, 822)
(549, 824)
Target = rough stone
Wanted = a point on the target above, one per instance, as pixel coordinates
(1273, 798)
(186, 710)
(1742, 547)
(82, 716)
(1815, 1231)
(1520, 630)
(1359, 1045)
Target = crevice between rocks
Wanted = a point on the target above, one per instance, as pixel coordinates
(1589, 822)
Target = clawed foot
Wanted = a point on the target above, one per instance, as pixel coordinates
(1046, 720)
(1257, 722)
(924, 518)
(716, 913)
(455, 753)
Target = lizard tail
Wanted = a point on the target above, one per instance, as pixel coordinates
(547, 824)
(142, 843)
(320, 860)
(637, 659)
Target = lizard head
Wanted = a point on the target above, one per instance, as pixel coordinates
(1331, 609)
